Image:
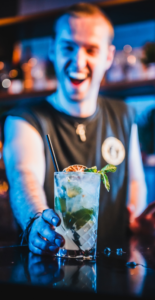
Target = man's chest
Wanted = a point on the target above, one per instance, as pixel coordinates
(96, 142)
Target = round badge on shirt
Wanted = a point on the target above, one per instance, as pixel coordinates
(113, 151)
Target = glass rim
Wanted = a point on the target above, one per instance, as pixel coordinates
(83, 173)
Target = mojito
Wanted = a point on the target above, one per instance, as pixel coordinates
(77, 204)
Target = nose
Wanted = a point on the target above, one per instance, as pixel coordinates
(79, 59)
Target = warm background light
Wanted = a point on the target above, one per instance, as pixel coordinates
(1, 65)
(13, 73)
(131, 59)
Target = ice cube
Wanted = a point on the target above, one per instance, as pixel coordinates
(68, 236)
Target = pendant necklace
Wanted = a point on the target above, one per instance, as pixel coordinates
(81, 131)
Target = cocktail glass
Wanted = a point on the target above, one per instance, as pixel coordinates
(77, 204)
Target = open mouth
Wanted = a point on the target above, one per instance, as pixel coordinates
(77, 78)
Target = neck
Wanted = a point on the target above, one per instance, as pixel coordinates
(82, 109)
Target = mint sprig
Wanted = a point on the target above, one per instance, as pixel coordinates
(92, 170)
(109, 168)
(105, 181)
(102, 172)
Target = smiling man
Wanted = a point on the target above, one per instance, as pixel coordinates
(85, 129)
(81, 54)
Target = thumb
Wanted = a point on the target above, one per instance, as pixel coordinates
(131, 208)
(149, 210)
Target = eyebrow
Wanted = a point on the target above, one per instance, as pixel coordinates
(73, 43)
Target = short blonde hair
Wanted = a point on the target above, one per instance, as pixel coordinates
(82, 9)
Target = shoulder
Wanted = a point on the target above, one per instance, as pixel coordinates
(28, 112)
(15, 127)
(117, 108)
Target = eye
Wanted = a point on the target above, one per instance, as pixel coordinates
(92, 51)
(69, 48)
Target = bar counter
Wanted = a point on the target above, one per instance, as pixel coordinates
(110, 276)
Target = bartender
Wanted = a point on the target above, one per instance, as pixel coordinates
(85, 129)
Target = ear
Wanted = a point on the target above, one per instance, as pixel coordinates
(110, 56)
(51, 52)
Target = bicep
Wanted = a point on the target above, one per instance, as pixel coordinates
(23, 148)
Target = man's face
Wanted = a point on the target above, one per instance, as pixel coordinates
(81, 55)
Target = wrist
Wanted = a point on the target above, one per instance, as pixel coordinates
(26, 232)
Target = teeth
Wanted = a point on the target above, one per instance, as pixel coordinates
(76, 75)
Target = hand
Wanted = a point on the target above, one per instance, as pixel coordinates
(145, 223)
(43, 239)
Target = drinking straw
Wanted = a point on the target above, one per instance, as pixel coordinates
(52, 153)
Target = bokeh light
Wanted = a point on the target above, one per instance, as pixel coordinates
(127, 49)
(6, 83)
(3, 187)
(32, 61)
(131, 59)
(1, 65)
(13, 73)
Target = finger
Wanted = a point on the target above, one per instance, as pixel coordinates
(52, 236)
(131, 208)
(44, 230)
(38, 251)
(35, 250)
(149, 210)
(54, 249)
(44, 245)
(51, 217)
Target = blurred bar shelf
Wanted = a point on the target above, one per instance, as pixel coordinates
(36, 25)
(111, 89)
(108, 5)
(124, 89)
(5, 97)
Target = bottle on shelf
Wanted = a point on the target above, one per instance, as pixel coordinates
(16, 75)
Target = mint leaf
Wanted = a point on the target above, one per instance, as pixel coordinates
(82, 212)
(102, 172)
(81, 222)
(92, 169)
(60, 204)
(69, 220)
(79, 218)
(109, 168)
(105, 181)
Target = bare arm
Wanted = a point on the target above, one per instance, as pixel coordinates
(142, 217)
(138, 191)
(24, 160)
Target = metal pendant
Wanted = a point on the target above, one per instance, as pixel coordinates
(81, 131)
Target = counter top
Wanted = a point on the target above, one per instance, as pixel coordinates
(109, 275)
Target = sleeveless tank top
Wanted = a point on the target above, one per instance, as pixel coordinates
(107, 134)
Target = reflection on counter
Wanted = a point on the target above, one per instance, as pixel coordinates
(109, 275)
(55, 272)
(136, 275)
(80, 276)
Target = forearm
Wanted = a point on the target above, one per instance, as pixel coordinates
(24, 159)
(137, 185)
(138, 198)
(27, 197)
